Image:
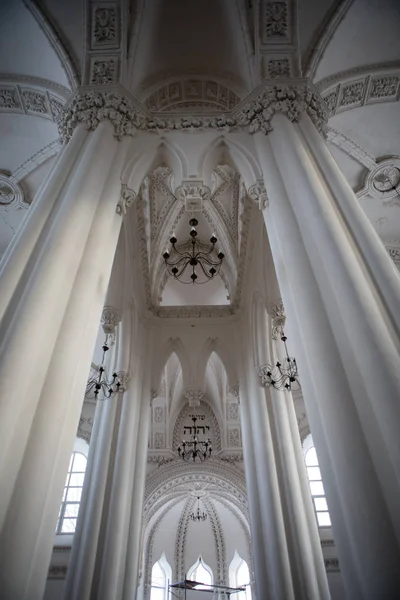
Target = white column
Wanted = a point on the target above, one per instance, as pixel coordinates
(272, 521)
(257, 539)
(136, 532)
(86, 538)
(113, 566)
(307, 560)
(60, 312)
(366, 539)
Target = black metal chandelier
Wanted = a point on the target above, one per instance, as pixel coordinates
(283, 374)
(193, 258)
(195, 448)
(98, 384)
(198, 515)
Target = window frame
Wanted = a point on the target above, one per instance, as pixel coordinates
(65, 503)
(308, 445)
(164, 565)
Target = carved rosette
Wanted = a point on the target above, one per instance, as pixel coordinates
(277, 311)
(258, 194)
(126, 200)
(93, 107)
(194, 397)
(110, 318)
(289, 100)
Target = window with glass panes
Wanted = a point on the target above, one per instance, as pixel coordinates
(317, 488)
(72, 494)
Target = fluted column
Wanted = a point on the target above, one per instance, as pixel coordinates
(57, 272)
(86, 538)
(344, 335)
(113, 567)
(307, 561)
(277, 567)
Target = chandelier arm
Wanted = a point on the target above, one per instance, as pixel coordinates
(206, 253)
(185, 253)
(204, 271)
(209, 261)
(176, 262)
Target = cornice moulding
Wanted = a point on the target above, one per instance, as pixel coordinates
(291, 97)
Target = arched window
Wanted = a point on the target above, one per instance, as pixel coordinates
(160, 579)
(316, 485)
(200, 572)
(239, 575)
(72, 494)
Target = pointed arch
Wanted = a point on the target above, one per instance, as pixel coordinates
(243, 158)
(214, 345)
(201, 572)
(172, 345)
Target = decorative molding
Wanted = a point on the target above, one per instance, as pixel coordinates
(38, 101)
(290, 99)
(232, 458)
(232, 411)
(278, 67)
(193, 397)
(110, 317)
(276, 310)
(352, 149)
(332, 565)
(11, 193)
(105, 26)
(275, 22)
(383, 182)
(258, 194)
(190, 94)
(104, 70)
(394, 253)
(57, 572)
(159, 459)
(93, 107)
(180, 541)
(126, 200)
(327, 543)
(234, 437)
(360, 87)
(218, 533)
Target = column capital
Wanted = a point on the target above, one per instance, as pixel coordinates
(258, 194)
(194, 397)
(110, 318)
(91, 107)
(126, 200)
(291, 98)
(276, 310)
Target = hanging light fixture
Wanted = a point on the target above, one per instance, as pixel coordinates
(198, 260)
(198, 515)
(98, 384)
(195, 448)
(283, 374)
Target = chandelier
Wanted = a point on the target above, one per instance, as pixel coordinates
(198, 260)
(195, 448)
(198, 516)
(283, 374)
(100, 383)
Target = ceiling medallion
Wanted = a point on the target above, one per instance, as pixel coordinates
(195, 448)
(198, 515)
(383, 182)
(198, 257)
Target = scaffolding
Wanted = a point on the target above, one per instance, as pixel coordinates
(221, 592)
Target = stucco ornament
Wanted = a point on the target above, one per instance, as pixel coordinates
(93, 107)
(110, 318)
(291, 101)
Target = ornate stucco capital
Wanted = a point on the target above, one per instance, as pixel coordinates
(126, 200)
(277, 311)
(194, 397)
(258, 194)
(291, 98)
(90, 108)
(110, 318)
